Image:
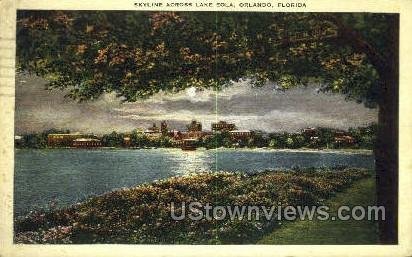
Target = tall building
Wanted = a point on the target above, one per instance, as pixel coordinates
(163, 127)
(194, 126)
(223, 126)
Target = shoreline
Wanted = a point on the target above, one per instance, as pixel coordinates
(263, 149)
(84, 222)
(194, 174)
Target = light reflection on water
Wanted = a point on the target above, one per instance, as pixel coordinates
(70, 175)
(191, 161)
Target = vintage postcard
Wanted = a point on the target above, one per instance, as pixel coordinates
(218, 128)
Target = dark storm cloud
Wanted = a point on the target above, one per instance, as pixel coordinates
(251, 108)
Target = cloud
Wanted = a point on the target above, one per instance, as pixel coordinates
(263, 108)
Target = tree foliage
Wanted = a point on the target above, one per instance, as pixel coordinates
(137, 54)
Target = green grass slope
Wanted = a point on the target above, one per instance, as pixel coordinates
(333, 232)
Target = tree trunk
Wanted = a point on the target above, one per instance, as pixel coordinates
(386, 149)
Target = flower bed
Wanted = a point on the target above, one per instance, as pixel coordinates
(143, 214)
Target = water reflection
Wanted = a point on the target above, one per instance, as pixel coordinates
(72, 174)
(191, 161)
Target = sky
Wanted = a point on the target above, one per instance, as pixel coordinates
(266, 109)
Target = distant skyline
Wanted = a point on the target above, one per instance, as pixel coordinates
(263, 108)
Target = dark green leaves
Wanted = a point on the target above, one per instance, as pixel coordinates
(137, 54)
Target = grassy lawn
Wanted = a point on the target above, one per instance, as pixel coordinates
(361, 193)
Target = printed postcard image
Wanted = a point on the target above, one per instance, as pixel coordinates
(199, 128)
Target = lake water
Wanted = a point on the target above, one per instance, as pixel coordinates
(67, 176)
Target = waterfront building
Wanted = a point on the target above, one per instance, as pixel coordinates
(344, 140)
(175, 134)
(86, 142)
(192, 135)
(194, 126)
(153, 132)
(127, 141)
(240, 134)
(340, 133)
(152, 129)
(314, 139)
(342, 137)
(223, 126)
(163, 128)
(62, 140)
(189, 144)
(309, 132)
